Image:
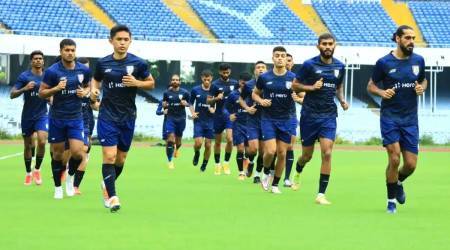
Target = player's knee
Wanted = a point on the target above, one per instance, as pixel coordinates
(326, 155)
(410, 165)
(394, 160)
(41, 144)
(109, 157)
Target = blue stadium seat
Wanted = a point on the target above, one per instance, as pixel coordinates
(356, 22)
(149, 20)
(253, 21)
(36, 17)
(433, 18)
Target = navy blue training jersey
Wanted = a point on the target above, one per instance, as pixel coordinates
(173, 98)
(88, 113)
(198, 98)
(219, 86)
(66, 104)
(159, 109)
(278, 90)
(118, 101)
(320, 103)
(246, 94)
(400, 75)
(232, 106)
(33, 107)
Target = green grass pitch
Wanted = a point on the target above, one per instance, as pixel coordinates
(185, 209)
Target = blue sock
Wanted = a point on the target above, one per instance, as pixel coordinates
(118, 169)
(289, 163)
(323, 183)
(228, 156)
(73, 165)
(240, 160)
(169, 151)
(217, 158)
(109, 178)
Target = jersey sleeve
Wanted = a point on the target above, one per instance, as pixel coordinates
(303, 72)
(341, 75)
(21, 81)
(421, 75)
(378, 72)
(214, 91)
(87, 77)
(98, 73)
(246, 91)
(192, 97)
(165, 97)
(186, 97)
(159, 109)
(260, 83)
(143, 71)
(50, 78)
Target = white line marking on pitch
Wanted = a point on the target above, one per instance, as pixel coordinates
(10, 156)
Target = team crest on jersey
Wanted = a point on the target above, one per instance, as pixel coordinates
(336, 73)
(415, 69)
(80, 78)
(108, 70)
(180, 97)
(288, 84)
(130, 69)
(231, 87)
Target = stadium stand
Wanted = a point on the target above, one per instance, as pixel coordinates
(49, 18)
(253, 21)
(356, 22)
(433, 18)
(146, 19)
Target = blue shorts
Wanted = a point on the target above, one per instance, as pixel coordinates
(221, 122)
(294, 126)
(203, 129)
(31, 126)
(175, 126)
(314, 128)
(254, 131)
(239, 134)
(116, 134)
(405, 133)
(276, 129)
(61, 130)
(164, 133)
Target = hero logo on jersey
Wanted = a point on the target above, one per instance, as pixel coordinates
(415, 69)
(80, 78)
(288, 84)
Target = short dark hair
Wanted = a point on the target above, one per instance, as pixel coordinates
(245, 76)
(260, 62)
(36, 52)
(224, 66)
(67, 42)
(83, 60)
(325, 36)
(118, 28)
(289, 55)
(206, 72)
(278, 49)
(400, 31)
